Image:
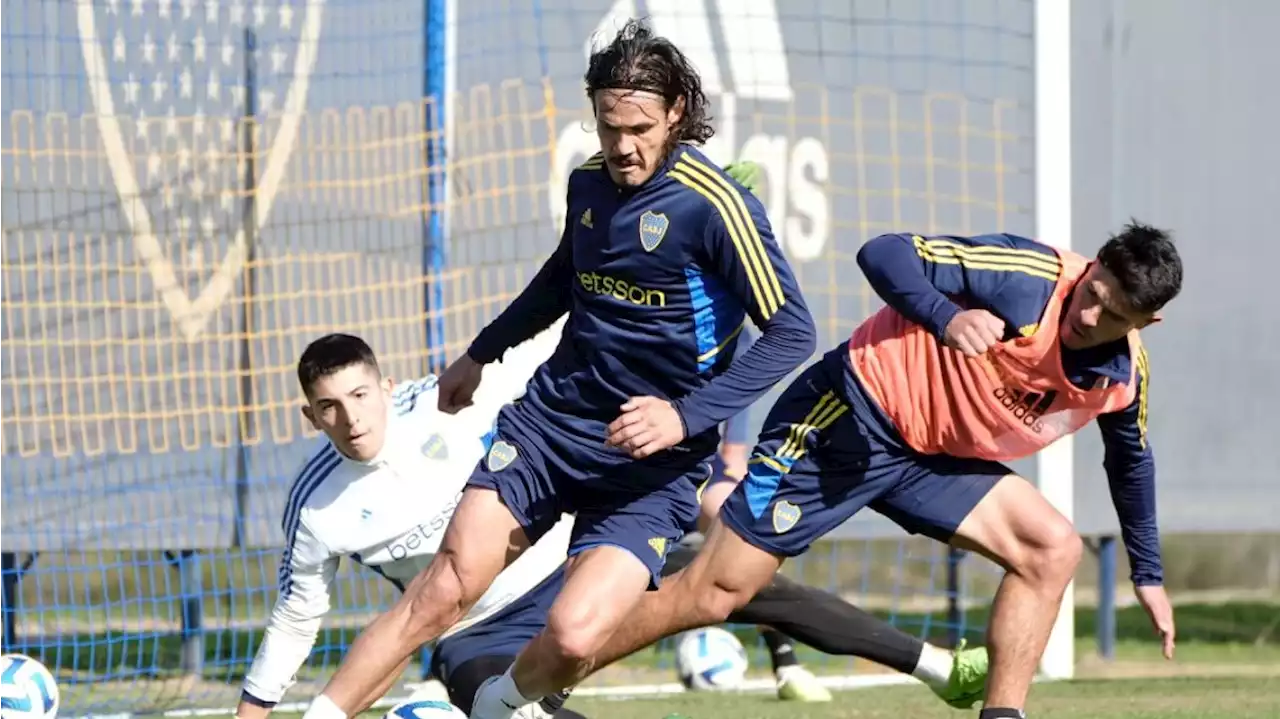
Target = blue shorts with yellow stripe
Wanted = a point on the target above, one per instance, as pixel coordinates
(826, 451)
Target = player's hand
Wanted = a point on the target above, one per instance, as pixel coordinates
(1155, 601)
(646, 426)
(973, 332)
(458, 384)
(746, 173)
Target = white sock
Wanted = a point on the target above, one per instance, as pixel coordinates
(785, 673)
(933, 667)
(322, 707)
(509, 693)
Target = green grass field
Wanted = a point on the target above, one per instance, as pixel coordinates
(1198, 698)
(1229, 650)
(1207, 680)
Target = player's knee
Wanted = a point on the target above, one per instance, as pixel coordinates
(1053, 555)
(576, 632)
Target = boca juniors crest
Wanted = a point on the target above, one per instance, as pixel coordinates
(653, 227)
(501, 455)
(785, 516)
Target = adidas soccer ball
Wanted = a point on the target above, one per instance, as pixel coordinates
(27, 689)
(710, 659)
(424, 709)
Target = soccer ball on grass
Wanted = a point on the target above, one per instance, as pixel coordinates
(710, 659)
(424, 709)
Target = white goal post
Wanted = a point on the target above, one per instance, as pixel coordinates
(1054, 465)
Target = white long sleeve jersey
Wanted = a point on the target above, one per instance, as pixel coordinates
(388, 514)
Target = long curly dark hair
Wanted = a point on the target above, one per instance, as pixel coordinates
(637, 59)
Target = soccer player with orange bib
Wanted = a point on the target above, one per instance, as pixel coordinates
(990, 348)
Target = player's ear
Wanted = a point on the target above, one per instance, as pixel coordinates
(387, 384)
(676, 111)
(310, 416)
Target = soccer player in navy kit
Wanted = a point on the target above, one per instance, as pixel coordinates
(662, 259)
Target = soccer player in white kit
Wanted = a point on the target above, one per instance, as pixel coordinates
(380, 489)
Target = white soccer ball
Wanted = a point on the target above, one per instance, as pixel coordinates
(424, 709)
(710, 659)
(27, 689)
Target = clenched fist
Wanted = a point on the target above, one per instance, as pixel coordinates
(973, 332)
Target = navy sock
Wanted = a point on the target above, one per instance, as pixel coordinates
(780, 650)
(1001, 713)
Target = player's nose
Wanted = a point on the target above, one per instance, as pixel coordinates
(1089, 318)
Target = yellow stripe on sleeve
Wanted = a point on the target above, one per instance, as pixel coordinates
(752, 232)
(1144, 376)
(996, 259)
(742, 232)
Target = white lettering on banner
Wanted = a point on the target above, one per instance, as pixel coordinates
(795, 170)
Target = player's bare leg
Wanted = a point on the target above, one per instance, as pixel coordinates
(1016, 527)
(602, 587)
(481, 540)
(724, 576)
(710, 501)
(794, 681)
(383, 688)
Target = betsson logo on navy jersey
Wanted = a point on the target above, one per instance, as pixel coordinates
(619, 289)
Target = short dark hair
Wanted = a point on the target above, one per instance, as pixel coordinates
(1145, 264)
(330, 354)
(637, 59)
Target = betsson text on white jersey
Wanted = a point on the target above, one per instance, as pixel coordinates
(390, 513)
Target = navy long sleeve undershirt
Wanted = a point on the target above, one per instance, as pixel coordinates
(928, 280)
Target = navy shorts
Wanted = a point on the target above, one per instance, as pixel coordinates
(641, 506)
(827, 451)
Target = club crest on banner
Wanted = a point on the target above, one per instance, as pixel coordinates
(168, 86)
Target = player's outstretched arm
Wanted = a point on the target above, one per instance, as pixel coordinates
(306, 573)
(1131, 473)
(739, 246)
